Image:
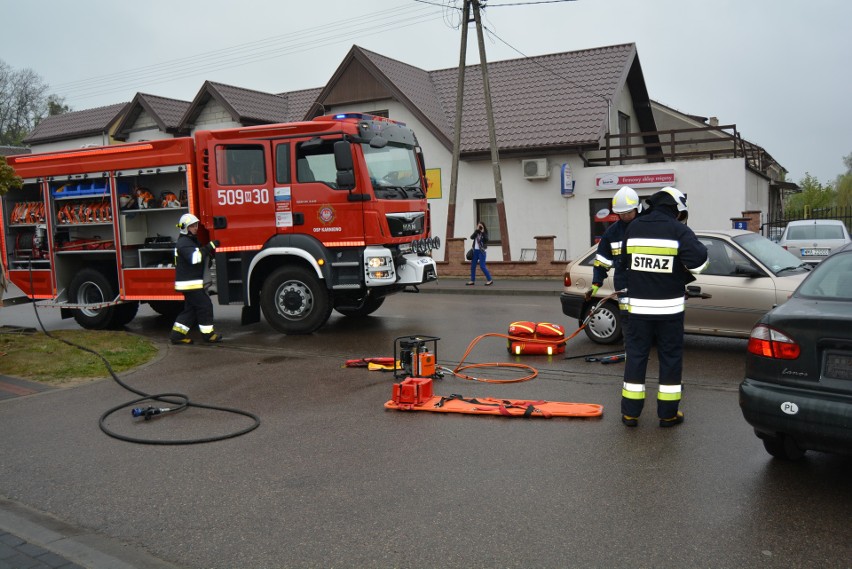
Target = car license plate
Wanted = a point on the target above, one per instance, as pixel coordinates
(837, 365)
(815, 252)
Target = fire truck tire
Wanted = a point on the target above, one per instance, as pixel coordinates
(91, 286)
(295, 301)
(370, 306)
(168, 308)
(125, 313)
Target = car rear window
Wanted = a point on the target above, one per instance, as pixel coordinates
(832, 279)
(815, 231)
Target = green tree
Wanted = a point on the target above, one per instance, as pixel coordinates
(814, 195)
(8, 179)
(24, 101)
(844, 184)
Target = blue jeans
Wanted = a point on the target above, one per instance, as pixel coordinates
(478, 257)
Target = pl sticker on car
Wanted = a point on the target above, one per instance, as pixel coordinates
(789, 408)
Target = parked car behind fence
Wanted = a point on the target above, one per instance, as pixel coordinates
(814, 239)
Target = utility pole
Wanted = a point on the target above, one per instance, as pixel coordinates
(454, 176)
(492, 136)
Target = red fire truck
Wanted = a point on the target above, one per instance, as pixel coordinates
(310, 217)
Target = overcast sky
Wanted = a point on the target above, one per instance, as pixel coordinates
(778, 69)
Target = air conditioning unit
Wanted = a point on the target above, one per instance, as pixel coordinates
(535, 169)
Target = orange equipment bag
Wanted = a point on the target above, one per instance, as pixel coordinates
(528, 338)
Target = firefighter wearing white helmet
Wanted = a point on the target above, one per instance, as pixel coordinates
(190, 259)
(662, 252)
(186, 220)
(625, 204)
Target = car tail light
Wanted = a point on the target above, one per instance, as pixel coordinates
(566, 279)
(770, 343)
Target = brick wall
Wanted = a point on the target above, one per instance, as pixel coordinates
(543, 267)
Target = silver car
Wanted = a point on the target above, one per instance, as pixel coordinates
(813, 239)
(747, 276)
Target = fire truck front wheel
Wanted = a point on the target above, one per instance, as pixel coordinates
(295, 301)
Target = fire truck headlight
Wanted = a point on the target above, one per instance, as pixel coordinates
(378, 262)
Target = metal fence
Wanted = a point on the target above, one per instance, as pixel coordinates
(774, 227)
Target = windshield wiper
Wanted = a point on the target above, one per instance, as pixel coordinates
(800, 266)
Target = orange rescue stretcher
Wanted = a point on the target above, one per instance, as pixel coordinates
(415, 394)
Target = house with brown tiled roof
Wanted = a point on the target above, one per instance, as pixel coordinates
(76, 129)
(218, 106)
(150, 117)
(571, 128)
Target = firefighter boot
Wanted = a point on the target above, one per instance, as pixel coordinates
(213, 338)
(672, 421)
(629, 421)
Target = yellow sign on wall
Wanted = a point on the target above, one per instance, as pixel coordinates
(433, 184)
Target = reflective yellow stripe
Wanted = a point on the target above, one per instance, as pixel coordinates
(652, 250)
(669, 392)
(668, 396)
(196, 256)
(633, 390)
(189, 285)
(601, 261)
(206, 329)
(180, 328)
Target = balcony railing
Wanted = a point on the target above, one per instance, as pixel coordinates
(699, 143)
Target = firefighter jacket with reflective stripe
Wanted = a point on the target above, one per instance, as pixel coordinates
(662, 254)
(609, 256)
(189, 263)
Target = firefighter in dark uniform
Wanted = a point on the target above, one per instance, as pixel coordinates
(662, 254)
(190, 260)
(625, 204)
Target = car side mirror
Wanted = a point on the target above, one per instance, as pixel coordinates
(746, 270)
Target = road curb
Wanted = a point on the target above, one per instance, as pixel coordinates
(77, 545)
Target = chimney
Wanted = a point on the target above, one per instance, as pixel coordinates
(713, 121)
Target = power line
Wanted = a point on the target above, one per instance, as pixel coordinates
(250, 52)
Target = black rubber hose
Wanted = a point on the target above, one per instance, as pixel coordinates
(182, 401)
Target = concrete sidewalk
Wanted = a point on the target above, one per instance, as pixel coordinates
(517, 287)
(33, 540)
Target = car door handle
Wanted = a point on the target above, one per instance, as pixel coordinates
(695, 292)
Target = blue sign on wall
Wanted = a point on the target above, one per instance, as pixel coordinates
(741, 225)
(567, 185)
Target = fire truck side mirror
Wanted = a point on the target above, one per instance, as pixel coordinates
(344, 164)
(343, 156)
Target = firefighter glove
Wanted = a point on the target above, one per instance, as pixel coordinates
(592, 292)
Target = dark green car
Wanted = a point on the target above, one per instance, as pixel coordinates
(797, 392)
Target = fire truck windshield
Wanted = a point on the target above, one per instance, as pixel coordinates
(393, 172)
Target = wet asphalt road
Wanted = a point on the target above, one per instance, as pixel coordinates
(332, 479)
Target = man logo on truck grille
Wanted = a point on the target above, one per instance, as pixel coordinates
(326, 214)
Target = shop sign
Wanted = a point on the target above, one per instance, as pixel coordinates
(647, 179)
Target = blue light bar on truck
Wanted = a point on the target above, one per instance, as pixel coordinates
(366, 117)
